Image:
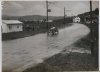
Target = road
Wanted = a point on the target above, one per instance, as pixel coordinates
(22, 53)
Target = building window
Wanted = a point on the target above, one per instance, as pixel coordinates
(17, 26)
(10, 27)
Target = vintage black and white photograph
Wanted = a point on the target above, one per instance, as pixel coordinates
(50, 36)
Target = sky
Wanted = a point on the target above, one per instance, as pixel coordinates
(22, 8)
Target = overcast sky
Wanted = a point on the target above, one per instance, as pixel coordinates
(21, 8)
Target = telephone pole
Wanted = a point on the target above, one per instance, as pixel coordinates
(64, 16)
(91, 30)
(47, 13)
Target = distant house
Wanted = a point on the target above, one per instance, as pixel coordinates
(76, 19)
(11, 26)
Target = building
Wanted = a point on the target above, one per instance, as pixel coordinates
(76, 19)
(9, 26)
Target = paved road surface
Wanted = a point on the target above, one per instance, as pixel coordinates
(25, 52)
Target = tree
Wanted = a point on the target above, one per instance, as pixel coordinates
(96, 11)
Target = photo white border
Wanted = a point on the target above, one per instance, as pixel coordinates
(50, 0)
(0, 38)
(40, 0)
(99, 37)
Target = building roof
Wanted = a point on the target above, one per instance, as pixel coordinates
(11, 22)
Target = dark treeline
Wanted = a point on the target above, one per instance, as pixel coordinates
(85, 17)
(39, 25)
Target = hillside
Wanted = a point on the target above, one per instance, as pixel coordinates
(31, 17)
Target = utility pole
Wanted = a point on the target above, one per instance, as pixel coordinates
(64, 16)
(47, 13)
(91, 30)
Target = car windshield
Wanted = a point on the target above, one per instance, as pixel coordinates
(52, 28)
